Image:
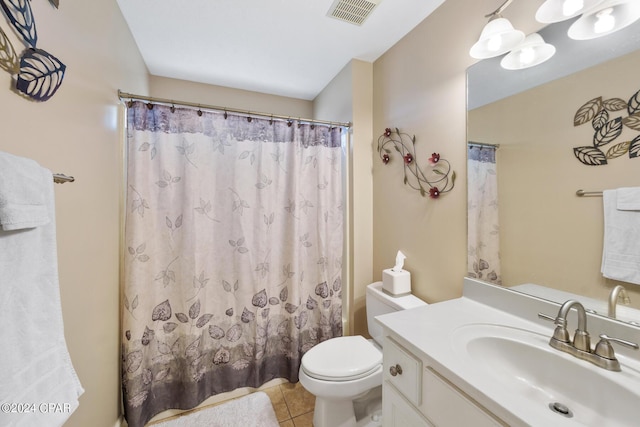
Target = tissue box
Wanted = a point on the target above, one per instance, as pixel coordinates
(396, 282)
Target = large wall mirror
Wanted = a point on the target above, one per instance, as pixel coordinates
(545, 234)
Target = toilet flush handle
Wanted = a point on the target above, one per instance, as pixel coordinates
(395, 370)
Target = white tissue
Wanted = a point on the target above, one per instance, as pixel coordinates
(395, 280)
(400, 257)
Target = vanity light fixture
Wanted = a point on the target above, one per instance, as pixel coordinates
(560, 10)
(606, 18)
(531, 52)
(498, 36)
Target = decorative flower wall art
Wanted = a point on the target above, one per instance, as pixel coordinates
(437, 180)
(39, 74)
(607, 129)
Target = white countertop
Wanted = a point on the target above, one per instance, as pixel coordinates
(428, 331)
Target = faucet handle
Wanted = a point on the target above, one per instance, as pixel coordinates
(546, 317)
(605, 349)
(560, 333)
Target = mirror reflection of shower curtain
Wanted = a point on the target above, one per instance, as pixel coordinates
(483, 255)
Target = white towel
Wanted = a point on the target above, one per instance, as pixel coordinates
(38, 385)
(628, 199)
(621, 249)
(22, 203)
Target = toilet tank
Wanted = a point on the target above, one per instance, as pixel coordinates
(379, 302)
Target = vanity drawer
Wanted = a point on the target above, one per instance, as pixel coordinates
(403, 370)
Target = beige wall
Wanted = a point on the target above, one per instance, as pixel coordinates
(419, 87)
(548, 235)
(349, 98)
(162, 87)
(77, 133)
(361, 192)
(335, 102)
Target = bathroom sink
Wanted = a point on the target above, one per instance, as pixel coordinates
(520, 364)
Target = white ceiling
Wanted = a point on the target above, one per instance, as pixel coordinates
(281, 47)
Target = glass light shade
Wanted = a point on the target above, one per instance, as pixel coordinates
(606, 18)
(560, 10)
(531, 52)
(497, 37)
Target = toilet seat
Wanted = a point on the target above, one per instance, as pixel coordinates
(342, 359)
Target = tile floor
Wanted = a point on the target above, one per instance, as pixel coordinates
(292, 404)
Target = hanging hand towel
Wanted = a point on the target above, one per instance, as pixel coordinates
(621, 250)
(22, 203)
(628, 199)
(38, 385)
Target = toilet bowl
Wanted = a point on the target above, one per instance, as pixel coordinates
(343, 369)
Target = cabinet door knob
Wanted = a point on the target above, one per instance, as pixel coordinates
(395, 370)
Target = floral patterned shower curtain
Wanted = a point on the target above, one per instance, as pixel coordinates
(483, 259)
(233, 260)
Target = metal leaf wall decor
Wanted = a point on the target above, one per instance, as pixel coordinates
(608, 129)
(8, 58)
(19, 14)
(39, 74)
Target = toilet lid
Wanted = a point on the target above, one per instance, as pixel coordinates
(342, 358)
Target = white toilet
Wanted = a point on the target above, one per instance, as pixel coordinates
(342, 370)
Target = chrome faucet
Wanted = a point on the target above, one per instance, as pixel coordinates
(616, 293)
(602, 355)
(561, 338)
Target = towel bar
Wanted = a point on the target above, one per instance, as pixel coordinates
(60, 178)
(582, 193)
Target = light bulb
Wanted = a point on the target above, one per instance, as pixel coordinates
(569, 7)
(527, 55)
(605, 21)
(494, 44)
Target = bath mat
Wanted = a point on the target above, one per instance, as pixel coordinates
(253, 410)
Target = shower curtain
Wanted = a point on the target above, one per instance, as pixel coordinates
(483, 253)
(233, 253)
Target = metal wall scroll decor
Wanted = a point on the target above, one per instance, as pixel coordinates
(438, 178)
(607, 129)
(38, 73)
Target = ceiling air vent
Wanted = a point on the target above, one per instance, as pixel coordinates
(352, 11)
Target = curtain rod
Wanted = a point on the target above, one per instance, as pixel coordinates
(124, 95)
(483, 144)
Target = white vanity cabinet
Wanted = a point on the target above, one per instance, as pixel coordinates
(415, 394)
(484, 360)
